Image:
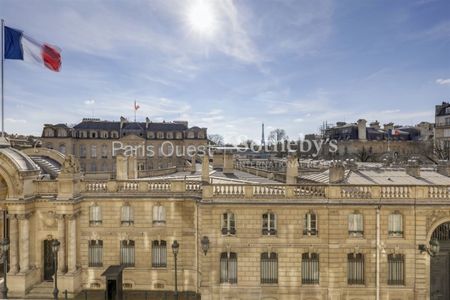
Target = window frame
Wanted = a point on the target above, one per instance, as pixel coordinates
(396, 269)
(229, 275)
(159, 254)
(308, 228)
(95, 260)
(355, 269)
(269, 227)
(310, 265)
(228, 223)
(269, 268)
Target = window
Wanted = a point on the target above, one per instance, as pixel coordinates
(160, 135)
(127, 253)
(228, 267)
(95, 215)
(191, 135)
(93, 167)
(104, 151)
(126, 215)
(62, 133)
(150, 135)
(355, 225)
(228, 224)
(62, 148)
(310, 268)
(114, 134)
(396, 269)
(355, 265)
(170, 135)
(310, 224)
(269, 226)
(179, 135)
(269, 267)
(95, 253)
(159, 214)
(93, 151)
(104, 134)
(395, 224)
(201, 135)
(93, 134)
(82, 151)
(48, 132)
(159, 254)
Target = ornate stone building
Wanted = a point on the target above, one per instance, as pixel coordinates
(95, 143)
(341, 238)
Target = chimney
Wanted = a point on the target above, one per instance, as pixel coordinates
(413, 168)
(147, 122)
(121, 167)
(291, 170)
(205, 168)
(336, 172)
(375, 125)
(443, 167)
(228, 163)
(217, 160)
(388, 126)
(362, 136)
(122, 121)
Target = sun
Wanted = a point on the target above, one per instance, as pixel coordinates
(201, 18)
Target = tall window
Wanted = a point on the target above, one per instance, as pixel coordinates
(104, 151)
(62, 148)
(159, 254)
(310, 224)
(269, 225)
(310, 268)
(95, 215)
(396, 269)
(228, 267)
(93, 151)
(228, 224)
(127, 253)
(355, 224)
(355, 265)
(269, 267)
(126, 215)
(395, 224)
(95, 253)
(83, 151)
(159, 214)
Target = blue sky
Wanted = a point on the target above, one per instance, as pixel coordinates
(289, 64)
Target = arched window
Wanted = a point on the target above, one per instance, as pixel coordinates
(310, 268)
(95, 253)
(159, 254)
(269, 224)
(62, 132)
(127, 257)
(396, 269)
(269, 268)
(355, 268)
(228, 267)
(159, 214)
(49, 132)
(82, 151)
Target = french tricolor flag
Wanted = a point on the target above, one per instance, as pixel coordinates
(22, 47)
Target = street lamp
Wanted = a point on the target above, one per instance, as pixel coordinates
(205, 244)
(55, 248)
(4, 244)
(433, 249)
(175, 248)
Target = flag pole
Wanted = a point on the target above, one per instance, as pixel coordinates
(3, 96)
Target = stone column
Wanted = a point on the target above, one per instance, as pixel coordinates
(13, 248)
(24, 243)
(61, 236)
(72, 244)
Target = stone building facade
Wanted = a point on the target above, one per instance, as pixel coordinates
(267, 240)
(159, 145)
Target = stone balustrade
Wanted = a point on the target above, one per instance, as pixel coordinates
(254, 191)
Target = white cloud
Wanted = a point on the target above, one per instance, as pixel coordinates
(442, 81)
(89, 102)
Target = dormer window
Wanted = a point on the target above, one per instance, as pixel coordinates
(48, 132)
(179, 135)
(170, 135)
(62, 133)
(160, 135)
(191, 135)
(447, 110)
(150, 135)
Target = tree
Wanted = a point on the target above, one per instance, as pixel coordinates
(277, 135)
(216, 139)
(363, 155)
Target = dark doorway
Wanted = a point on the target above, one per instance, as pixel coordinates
(111, 290)
(49, 267)
(440, 265)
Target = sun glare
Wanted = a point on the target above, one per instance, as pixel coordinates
(201, 18)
